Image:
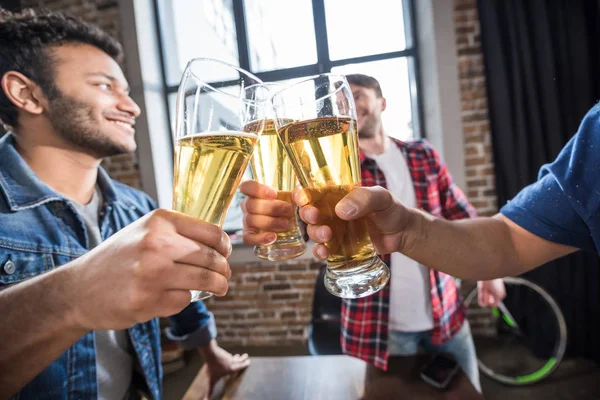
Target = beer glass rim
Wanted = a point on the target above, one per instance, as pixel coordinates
(312, 78)
(280, 86)
(250, 75)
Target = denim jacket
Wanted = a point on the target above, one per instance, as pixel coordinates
(40, 231)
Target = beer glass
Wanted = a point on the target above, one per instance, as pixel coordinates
(215, 102)
(322, 144)
(271, 166)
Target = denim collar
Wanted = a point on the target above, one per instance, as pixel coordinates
(24, 190)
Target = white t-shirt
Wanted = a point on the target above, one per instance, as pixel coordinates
(114, 355)
(410, 299)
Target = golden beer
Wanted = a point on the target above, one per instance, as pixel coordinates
(208, 170)
(271, 166)
(323, 151)
(350, 243)
(322, 144)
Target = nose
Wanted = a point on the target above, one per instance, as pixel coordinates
(129, 106)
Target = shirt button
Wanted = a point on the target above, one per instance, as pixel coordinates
(9, 267)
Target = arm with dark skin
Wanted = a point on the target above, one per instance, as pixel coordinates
(479, 248)
(221, 363)
(114, 286)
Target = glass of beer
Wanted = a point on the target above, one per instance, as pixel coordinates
(215, 102)
(271, 166)
(316, 122)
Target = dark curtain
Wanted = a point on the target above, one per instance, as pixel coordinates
(542, 70)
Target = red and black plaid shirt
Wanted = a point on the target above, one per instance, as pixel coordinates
(365, 320)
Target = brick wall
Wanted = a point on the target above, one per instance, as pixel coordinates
(268, 303)
(481, 186)
(104, 13)
(479, 162)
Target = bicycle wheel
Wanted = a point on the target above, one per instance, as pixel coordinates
(524, 339)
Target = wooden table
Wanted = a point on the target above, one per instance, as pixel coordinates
(330, 378)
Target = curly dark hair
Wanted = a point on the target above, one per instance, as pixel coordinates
(25, 42)
(365, 81)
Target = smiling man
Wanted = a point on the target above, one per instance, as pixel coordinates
(66, 104)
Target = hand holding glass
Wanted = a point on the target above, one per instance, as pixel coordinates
(323, 148)
(212, 149)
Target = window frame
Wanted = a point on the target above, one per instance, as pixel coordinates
(323, 64)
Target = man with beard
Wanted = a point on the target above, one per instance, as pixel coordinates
(87, 329)
(421, 307)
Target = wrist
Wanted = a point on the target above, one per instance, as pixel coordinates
(208, 351)
(68, 287)
(414, 229)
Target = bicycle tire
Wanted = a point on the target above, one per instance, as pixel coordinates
(559, 347)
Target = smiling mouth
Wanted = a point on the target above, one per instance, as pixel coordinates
(121, 123)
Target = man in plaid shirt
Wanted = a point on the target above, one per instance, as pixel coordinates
(420, 307)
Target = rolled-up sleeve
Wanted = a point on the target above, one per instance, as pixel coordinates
(193, 327)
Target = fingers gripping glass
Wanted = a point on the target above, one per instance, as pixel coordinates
(212, 142)
(322, 144)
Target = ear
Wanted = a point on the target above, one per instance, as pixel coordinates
(25, 94)
(383, 103)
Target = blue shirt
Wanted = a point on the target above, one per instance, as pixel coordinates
(39, 231)
(563, 206)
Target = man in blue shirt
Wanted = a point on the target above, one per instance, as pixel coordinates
(78, 323)
(555, 216)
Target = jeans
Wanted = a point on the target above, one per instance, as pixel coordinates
(461, 346)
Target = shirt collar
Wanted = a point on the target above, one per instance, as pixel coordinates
(393, 141)
(24, 190)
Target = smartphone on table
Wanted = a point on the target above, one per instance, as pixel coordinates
(439, 371)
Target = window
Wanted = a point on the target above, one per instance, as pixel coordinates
(283, 40)
(358, 28)
(281, 34)
(393, 77)
(192, 28)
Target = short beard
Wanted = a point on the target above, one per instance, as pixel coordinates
(368, 130)
(74, 122)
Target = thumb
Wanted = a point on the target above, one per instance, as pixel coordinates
(364, 201)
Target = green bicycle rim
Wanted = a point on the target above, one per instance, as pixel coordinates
(552, 362)
(509, 321)
(539, 374)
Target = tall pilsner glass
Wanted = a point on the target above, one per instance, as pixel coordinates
(270, 166)
(215, 102)
(322, 144)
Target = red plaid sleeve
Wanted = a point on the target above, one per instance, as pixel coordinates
(453, 201)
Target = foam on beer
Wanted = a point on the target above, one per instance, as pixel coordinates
(221, 133)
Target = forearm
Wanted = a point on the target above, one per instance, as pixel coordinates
(208, 350)
(37, 326)
(479, 248)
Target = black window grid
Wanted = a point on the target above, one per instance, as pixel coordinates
(323, 64)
